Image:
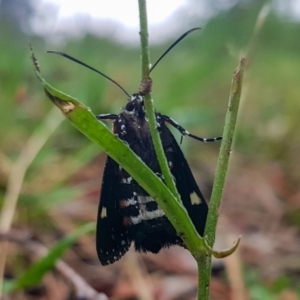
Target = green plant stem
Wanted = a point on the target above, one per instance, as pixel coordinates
(144, 39)
(204, 261)
(149, 103)
(225, 151)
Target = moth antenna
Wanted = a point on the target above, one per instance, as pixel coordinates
(89, 67)
(173, 45)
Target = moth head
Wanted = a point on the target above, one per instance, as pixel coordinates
(135, 104)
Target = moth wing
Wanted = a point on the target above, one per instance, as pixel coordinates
(187, 187)
(112, 240)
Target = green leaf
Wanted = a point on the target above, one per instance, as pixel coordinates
(36, 272)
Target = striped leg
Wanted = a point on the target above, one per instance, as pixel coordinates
(107, 117)
(119, 126)
(186, 133)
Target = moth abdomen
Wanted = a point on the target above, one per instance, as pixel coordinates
(154, 235)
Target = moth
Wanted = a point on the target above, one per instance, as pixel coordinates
(126, 212)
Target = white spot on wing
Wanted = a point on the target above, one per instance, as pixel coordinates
(103, 213)
(129, 201)
(145, 199)
(195, 200)
(126, 180)
(149, 215)
(144, 214)
(136, 220)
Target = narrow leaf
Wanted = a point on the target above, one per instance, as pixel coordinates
(36, 272)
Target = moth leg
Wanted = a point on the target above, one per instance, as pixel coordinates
(186, 133)
(107, 117)
(119, 125)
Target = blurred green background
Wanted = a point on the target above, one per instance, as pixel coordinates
(262, 197)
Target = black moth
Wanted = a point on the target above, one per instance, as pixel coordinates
(126, 212)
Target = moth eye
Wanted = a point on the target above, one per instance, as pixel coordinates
(130, 106)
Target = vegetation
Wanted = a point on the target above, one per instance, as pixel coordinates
(61, 186)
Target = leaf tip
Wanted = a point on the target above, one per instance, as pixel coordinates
(66, 107)
(223, 253)
(34, 59)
